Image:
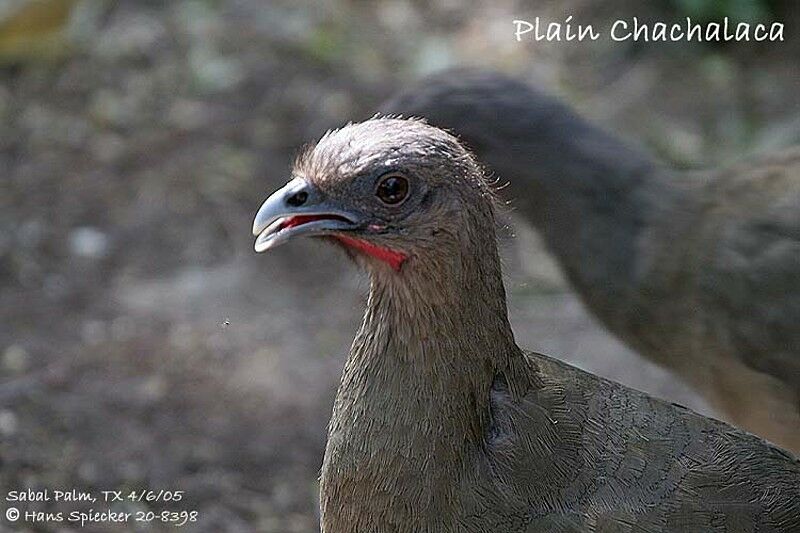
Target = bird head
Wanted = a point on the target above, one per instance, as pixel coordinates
(390, 191)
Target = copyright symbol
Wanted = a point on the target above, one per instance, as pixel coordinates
(12, 514)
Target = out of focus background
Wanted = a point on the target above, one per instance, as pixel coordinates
(142, 342)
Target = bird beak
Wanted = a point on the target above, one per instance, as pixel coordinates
(298, 209)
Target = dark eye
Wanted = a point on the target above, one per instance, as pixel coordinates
(392, 189)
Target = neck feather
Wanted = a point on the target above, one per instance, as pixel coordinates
(413, 404)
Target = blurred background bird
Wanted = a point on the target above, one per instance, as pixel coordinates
(699, 272)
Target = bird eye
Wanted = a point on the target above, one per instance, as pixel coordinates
(392, 189)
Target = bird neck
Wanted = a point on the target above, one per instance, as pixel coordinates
(413, 403)
(592, 198)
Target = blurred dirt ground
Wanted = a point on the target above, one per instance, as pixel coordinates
(144, 345)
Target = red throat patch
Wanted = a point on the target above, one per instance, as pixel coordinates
(391, 257)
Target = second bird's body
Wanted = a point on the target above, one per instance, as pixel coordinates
(699, 272)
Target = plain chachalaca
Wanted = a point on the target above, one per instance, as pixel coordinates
(441, 423)
(698, 272)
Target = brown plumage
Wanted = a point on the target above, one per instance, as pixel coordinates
(441, 423)
(698, 272)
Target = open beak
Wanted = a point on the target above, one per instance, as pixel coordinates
(298, 209)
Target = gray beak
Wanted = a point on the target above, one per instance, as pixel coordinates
(298, 209)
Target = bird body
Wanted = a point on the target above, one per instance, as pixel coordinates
(442, 423)
(699, 272)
